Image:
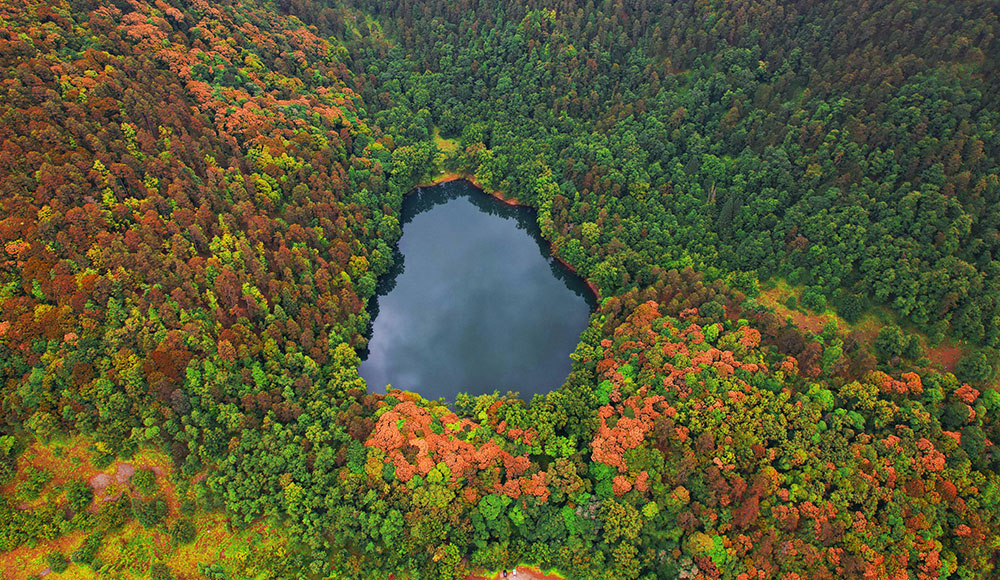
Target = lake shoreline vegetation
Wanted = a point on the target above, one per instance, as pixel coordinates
(197, 200)
(448, 177)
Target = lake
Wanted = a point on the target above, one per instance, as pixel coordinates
(475, 301)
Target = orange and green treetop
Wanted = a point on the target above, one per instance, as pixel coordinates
(196, 201)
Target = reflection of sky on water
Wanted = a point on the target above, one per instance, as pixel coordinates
(476, 307)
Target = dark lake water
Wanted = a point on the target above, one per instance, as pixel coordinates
(475, 302)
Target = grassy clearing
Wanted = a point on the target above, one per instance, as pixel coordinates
(775, 294)
(27, 561)
(447, 146)
(241, 554)
(129, 552)
(66, 460)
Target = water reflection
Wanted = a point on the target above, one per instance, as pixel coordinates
(474, 302)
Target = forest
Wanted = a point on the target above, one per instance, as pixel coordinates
(790, 210)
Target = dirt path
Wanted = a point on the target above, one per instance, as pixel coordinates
(523, 573)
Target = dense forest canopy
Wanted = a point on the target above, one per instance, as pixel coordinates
(850, 149)
(197, 199)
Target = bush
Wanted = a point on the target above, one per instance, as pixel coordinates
(87, 551)
(184, 531)
(144, 481)
(212, 571)
(914, 351)
(79, 495)
(33, 483)
(188, 507)
(149, 513)
(112, 515)
(937, 332)
(159, 571)
(10, 448)
(57, 562)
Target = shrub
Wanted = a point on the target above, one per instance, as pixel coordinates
(33, 483)
(10, 448)
(79, 495)
(184, 531)
(87, 551)
(159, 571)
(57, 562)
(144, 481)
(149, 513)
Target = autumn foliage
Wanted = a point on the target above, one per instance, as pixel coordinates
(197, 200)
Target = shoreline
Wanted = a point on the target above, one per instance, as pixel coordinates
(593, 287)
(498, 195)
(523, 573)
(452, 176)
